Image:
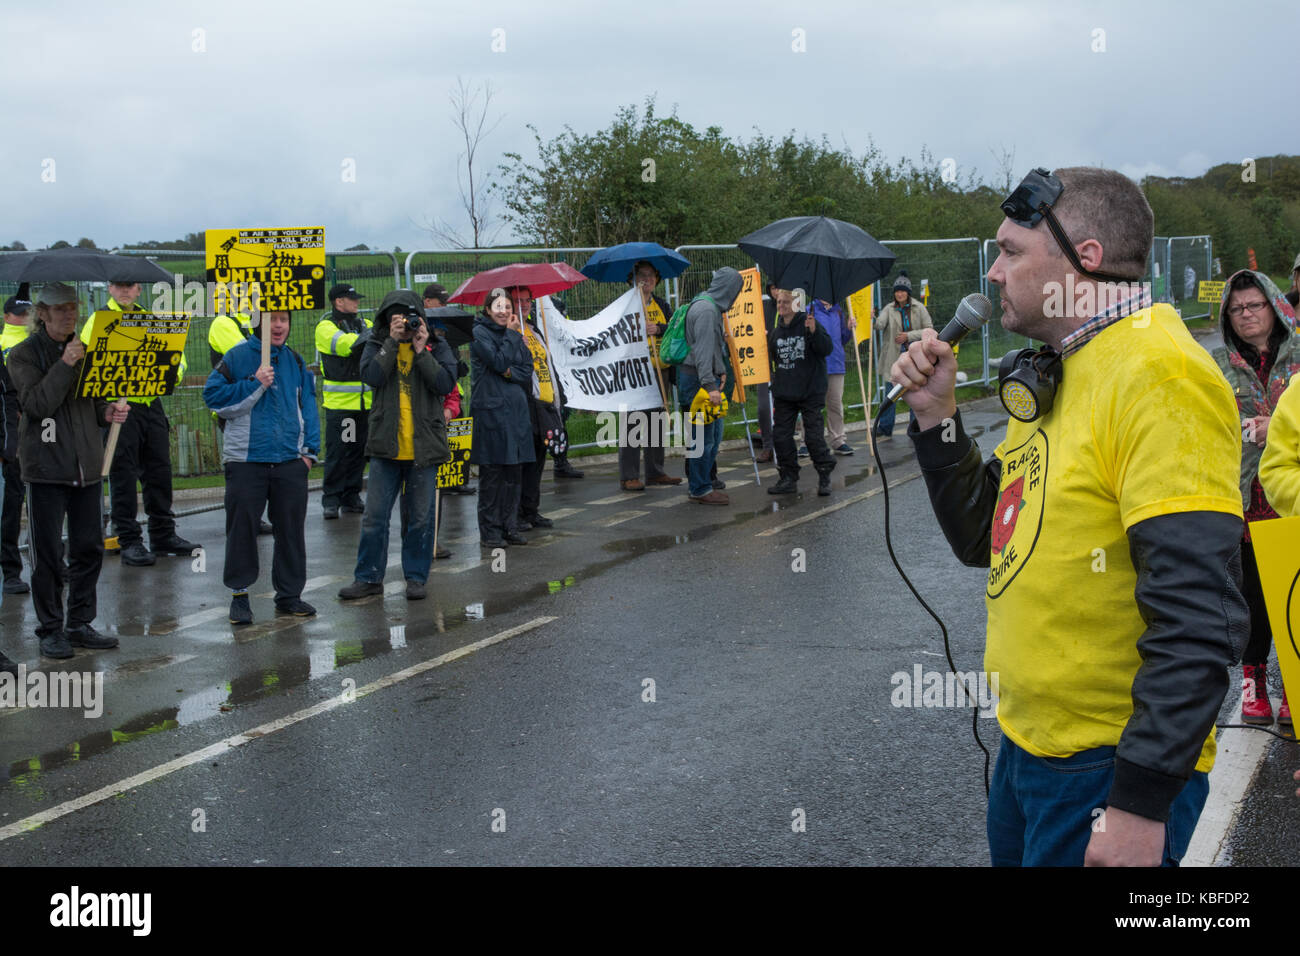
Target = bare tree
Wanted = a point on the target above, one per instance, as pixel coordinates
(470, 106)
(1006, 160)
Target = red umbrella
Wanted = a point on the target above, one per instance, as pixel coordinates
(539, 278)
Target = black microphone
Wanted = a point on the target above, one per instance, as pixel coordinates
(973, 313)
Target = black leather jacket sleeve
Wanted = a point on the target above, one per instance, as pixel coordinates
(1189, 595)
(963, 488)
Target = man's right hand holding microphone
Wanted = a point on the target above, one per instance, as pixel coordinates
(929, 370)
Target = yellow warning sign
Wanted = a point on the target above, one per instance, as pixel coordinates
(133, 354)
(1279, 578)
(1210, 291)
(454, 473)
(266, 270)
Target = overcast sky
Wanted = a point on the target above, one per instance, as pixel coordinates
(152, 138)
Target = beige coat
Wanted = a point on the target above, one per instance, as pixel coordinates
(890, 322)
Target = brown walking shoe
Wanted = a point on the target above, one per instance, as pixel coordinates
(712, 498)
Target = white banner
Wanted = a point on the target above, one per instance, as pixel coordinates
(604, 362)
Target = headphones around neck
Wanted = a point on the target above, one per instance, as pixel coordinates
(1028, 380)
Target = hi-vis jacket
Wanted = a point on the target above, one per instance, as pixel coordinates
(116, 307)
(340, 340)
(226, 332)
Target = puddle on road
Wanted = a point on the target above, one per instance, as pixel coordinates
(302, 658)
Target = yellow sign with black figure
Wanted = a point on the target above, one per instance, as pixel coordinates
(133, 354)
(266, 270)
(454, 473)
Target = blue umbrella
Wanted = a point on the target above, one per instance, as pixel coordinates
(613, 264)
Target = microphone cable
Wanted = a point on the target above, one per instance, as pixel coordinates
(947, 647)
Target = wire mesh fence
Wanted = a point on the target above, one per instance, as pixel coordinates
(941, 271)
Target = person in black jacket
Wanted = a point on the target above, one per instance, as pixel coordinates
(798, 347)
(408, 441)
(543, 415)
(8, 456)
(502, 376)
(62, 456)
(651, 426)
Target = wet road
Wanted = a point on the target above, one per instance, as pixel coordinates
(651, 682)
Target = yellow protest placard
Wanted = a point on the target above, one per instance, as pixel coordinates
(747, 335)
(1279, 576)
(454, 473)
(1209, 291)
(133, 354)
(266, 270)
(860, 303)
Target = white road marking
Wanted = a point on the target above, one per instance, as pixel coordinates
(620, 518)
(668, 502)
(238, 740)
(1239, 754)
(565, 513)
(836, 507)
(621, 496)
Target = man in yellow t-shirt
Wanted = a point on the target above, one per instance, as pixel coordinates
(1110, 524)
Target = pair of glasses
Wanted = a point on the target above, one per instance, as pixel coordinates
(1237, 311)
(1032, 201)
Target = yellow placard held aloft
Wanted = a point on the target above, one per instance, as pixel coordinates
(747, 335)
(860, 304)
(267, 270)
(133, 354)
(1279, 576)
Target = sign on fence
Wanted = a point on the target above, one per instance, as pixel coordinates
(1210, 291)
(133, 354)
(266, 270)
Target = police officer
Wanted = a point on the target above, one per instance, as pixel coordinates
(144, 455)
(340, 339)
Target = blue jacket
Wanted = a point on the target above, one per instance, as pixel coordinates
(264, 425)
(841, 335)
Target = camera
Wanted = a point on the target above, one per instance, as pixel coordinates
(413, 322)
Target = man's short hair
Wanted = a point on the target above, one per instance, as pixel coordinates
(1106, 205)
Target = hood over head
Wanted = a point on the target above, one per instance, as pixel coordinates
(725, 286)
(1283, 314)
(403, 300)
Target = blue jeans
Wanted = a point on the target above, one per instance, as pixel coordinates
(1042, 809)
(886, 426)
(386, 480)
(699, 463)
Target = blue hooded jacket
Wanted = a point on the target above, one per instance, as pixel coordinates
(264, 425)
(839, 331)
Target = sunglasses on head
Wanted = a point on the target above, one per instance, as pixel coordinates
(1032, 201)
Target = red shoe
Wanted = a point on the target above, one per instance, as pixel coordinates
(1255, 708)
(1284, 714)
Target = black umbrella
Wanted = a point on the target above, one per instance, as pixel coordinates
(455, 322)
(829, 258)
(78, 265)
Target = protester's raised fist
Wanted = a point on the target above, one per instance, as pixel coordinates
(74, 351)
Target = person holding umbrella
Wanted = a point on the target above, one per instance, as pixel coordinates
(62, 457)
(646, 277)
(502, 379)
(544, 419)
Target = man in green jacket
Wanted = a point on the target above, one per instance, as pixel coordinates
(407, 442)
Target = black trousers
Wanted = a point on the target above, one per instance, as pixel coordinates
(281, 488)
(784, 414)
(1261, 635)
(345, 461)
(11, 559)
(498, 499)
(144, 455)
(530, 481)
(50, 504)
